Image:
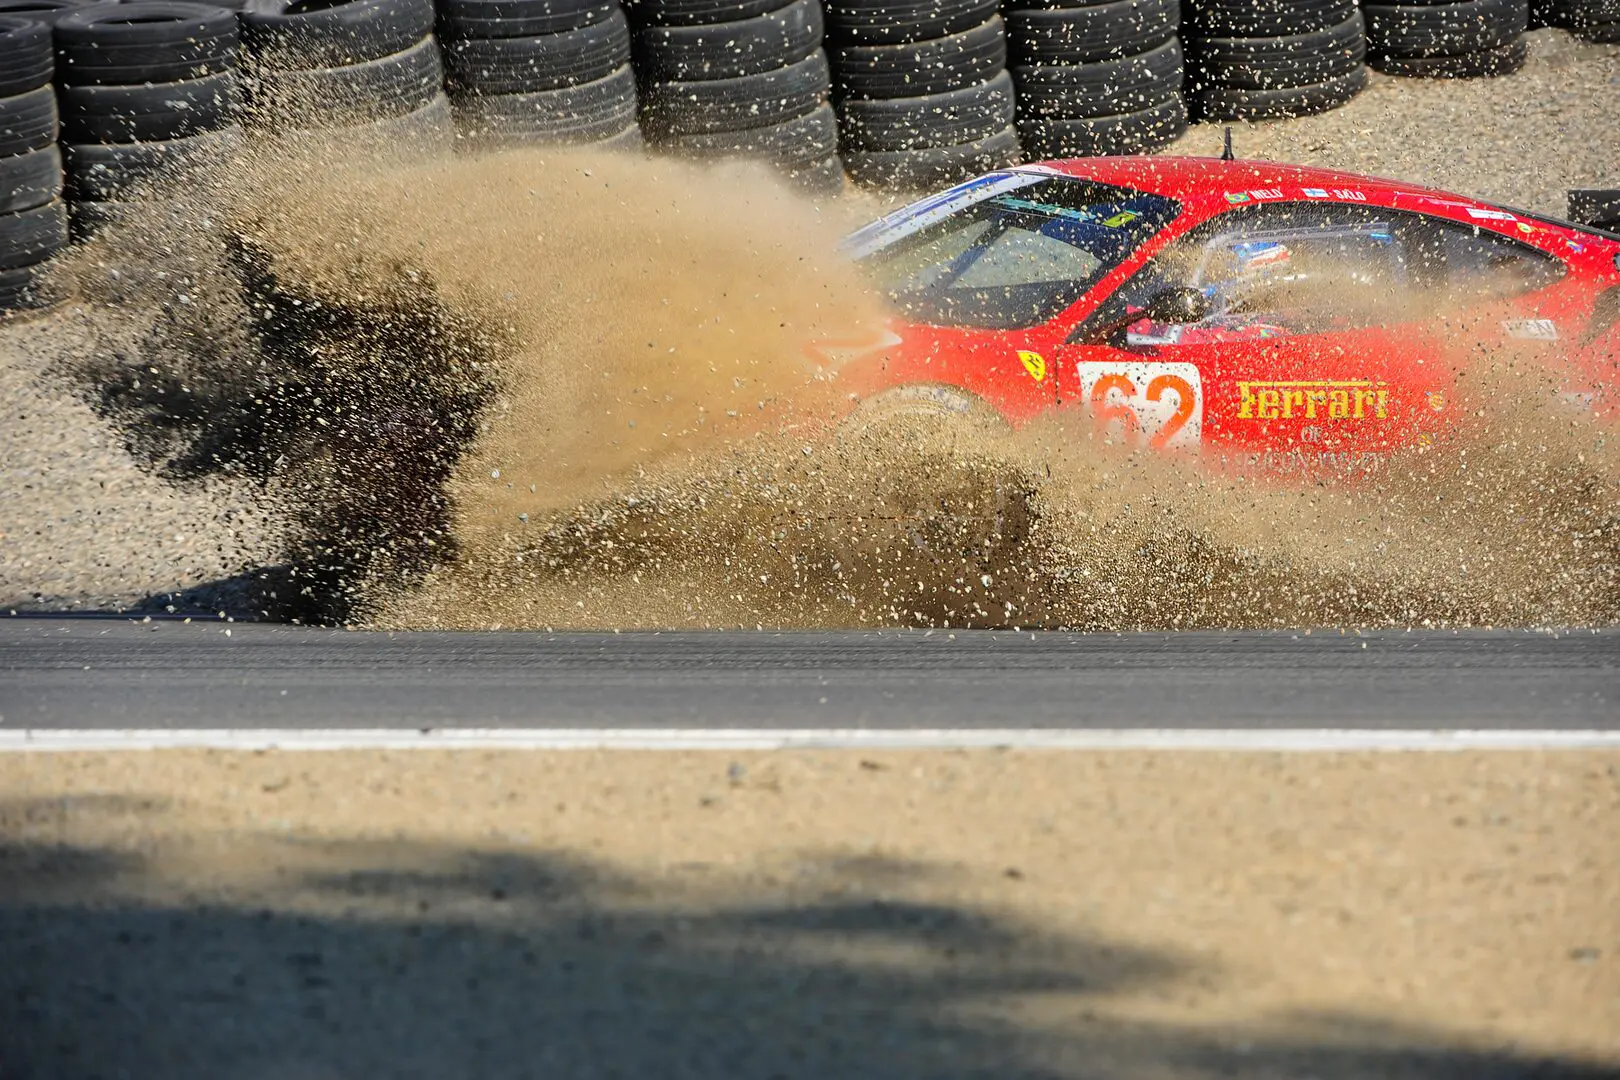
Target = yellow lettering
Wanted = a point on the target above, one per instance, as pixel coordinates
(1291, 400)
(1381, 405)
(1338, 404)
(1312, 400)
(1245, 401)
(1270, 404)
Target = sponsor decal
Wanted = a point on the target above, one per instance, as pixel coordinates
(1312, 462)
(1313, 399)
(1531, 329)
(1116, 220)
(1483, 214)
(1237, 196)
(1315, 192)
(1034, 363)
(1437, 400)
(1525, 228)
(1159, 403)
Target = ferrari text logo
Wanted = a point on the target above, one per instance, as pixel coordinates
(1351, 399)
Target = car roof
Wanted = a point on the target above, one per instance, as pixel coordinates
(1195, 180)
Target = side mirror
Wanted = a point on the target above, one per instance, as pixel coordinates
(1177, 306)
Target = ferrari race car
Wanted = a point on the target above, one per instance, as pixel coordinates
(1287, 318)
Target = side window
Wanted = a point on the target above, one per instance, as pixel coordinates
(1277, 269)
(1466, 263)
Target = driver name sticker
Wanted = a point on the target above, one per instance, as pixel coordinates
(1161, 404)
(1531, 329)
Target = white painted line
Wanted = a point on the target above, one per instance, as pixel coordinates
(1284, 739)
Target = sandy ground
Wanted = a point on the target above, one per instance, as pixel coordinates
(808, 914)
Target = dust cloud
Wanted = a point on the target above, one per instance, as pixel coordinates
(545, 389)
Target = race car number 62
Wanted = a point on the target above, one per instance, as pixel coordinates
(1160, 403)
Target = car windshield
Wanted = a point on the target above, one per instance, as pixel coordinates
(1014, 258)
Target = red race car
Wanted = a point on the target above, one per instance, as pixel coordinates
(1273, 316)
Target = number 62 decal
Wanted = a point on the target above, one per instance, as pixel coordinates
(1159, 403)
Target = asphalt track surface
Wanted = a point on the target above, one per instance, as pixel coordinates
(104, 674)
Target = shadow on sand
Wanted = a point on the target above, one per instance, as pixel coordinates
(394, 959)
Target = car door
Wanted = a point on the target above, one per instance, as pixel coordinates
(1312, 354)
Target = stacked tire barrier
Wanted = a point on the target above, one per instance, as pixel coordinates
(33, 220)
(1096, 78)
(145, 88)
(1450, 39)
(1255, 61)
(729, 78)
(1590, 20)
(540, 71)
(371, 68)
(924, 97)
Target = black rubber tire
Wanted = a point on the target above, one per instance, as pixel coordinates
(804, 139)
(1576, 14)
(1265, 18)
(430, 127)
(528, 65)
(1449, 29)
(150, 41)
(31, 236)
(20, 289)
(126, 114)
(28, 121)
(1137, 132)
(1085, 35)
(729, 50)
(27, 61)
(949, 119)
(306, 34)
(1599, 33)
(693, 108)
(102, 61)
(824, 177)
(916, 68)
(88, 218)
(1243, 103)
(363, 93)
(694, 12)
(98, 172)
(30, 180)
(194, 60)
(517, 18)
(588, 112)
(897, 22)
(934, 167)
(1485, 64)
(1269, 63)
(1107, 88)
(45, 11)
